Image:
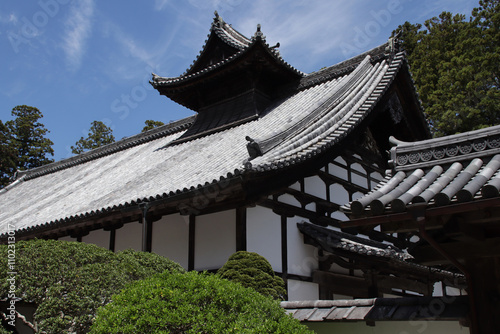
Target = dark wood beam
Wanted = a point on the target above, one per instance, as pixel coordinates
(460, 250)
(342, 284)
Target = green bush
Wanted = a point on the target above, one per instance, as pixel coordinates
(253, 271)
(192, 303)
(69, 281)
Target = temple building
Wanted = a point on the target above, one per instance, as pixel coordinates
(266, 164)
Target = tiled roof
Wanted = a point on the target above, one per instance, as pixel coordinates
(145, 167)
(230, 36)
(453, 169)
(379, 309)
(332, 240)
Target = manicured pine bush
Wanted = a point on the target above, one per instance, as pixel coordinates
(192, 303)
(69, 281)
(253, 271)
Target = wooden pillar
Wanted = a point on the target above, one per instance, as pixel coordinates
(241, 229)
(146, 228)
(112, 239)
(485, 277)
(191, 246)
(284, 249)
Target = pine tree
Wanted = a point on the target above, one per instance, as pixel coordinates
(23, 143)
(99, 134)
(150, 124)
(455, 63)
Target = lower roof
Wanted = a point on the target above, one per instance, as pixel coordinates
(451, 308)
(437, 172)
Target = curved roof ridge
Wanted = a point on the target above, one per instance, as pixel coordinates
(325, 108)
(344, 67)
(457, 147)
(227, 33)
(105, 150)
(163, 81)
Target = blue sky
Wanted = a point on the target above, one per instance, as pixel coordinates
(85, 60)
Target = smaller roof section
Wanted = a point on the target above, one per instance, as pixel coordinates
(379, 309)
(228, 65)
(437, 172)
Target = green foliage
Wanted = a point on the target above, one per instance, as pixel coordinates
(69, 281)
(192, 303)
(99, 135)
(7, 156)
(150, 124)
(22, 143)
(253, 271)
(455, 63)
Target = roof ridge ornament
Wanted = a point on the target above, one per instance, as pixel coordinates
(218, 21)
(393, 45)
(259, 35)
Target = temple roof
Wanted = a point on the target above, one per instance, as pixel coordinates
(230, 63)
(449, 170)
(341, 243)
(296, 128)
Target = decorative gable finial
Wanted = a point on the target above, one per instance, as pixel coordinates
(217, 18)
(258, 34)
(393, 45)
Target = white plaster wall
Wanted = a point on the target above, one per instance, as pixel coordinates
(358, 179)
(264, 235)
(339, 215)
(171, 238)
(302, 258)
(313, 185)
(215, 239)
(300, 290)
(289, 199)
(338, 171)
(295, 186)
(338, 194)
(98, 237)
(129, 236)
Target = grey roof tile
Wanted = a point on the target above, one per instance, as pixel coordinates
(144, 167)
(458, 168)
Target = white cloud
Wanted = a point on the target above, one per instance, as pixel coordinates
(78, 27)
(8, 18)
(160, 4)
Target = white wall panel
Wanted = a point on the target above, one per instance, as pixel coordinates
(264, 235)
(338, 194)
(358, 179)
(215, 239)
(98, 237)
(302, 258)
(299, 290)
(289, 199)
(315, 186)
(337, 171)
(171, 238)
(129, 236)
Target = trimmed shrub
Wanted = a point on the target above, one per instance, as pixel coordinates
(253, 271)
(69, 281)
(192, 303)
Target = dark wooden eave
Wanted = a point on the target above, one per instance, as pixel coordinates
(256, 67)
